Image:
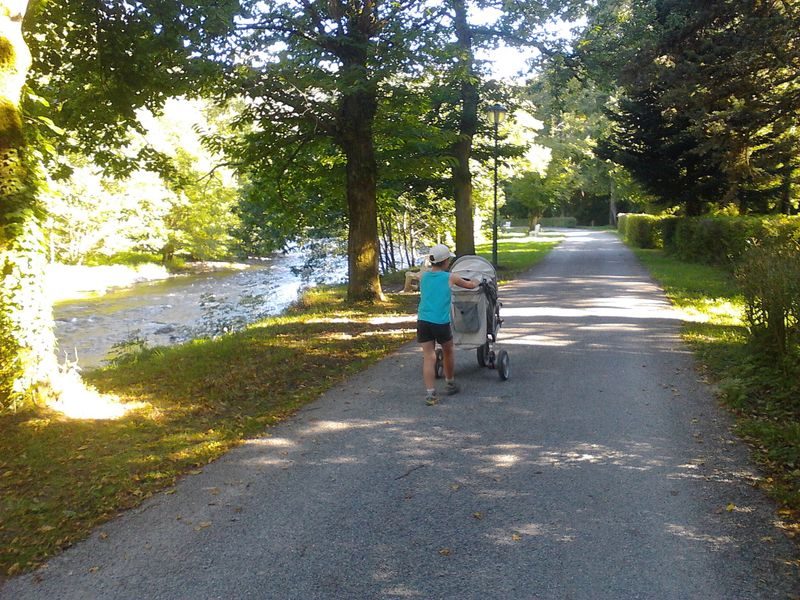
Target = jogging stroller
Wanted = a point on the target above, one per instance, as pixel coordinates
(475, 315)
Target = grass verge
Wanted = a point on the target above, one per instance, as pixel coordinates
(60, 477)
(764, 396)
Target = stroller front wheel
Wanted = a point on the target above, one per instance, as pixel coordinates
(503, 365)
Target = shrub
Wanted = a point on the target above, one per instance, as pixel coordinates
(717, 240)
(622, 222)
(558, 222)
(769, 277)
(642, 231)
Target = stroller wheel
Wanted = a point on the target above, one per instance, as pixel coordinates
(483, 355)
(439, 363)
(503, 365)
(491, 360)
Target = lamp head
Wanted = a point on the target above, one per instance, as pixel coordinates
(496, 112)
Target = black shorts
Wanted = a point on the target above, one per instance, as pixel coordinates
(428, 332)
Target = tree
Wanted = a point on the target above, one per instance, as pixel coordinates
(26, 337)
(712, 89)
(317, 69)
(96, 63)
(518, 23)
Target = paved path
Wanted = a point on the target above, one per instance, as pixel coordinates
(602, 469)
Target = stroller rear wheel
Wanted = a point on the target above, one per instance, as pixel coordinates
(503, 365)
(483, 355)
(439, 363)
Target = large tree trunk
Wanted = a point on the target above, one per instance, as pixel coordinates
(27, 343)
(355, 137)
(468, 125)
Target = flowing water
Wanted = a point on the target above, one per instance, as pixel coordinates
(186, 307)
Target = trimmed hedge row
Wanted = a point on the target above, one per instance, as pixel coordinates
(716, 240)
(558, 222)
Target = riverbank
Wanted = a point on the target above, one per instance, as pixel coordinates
(74, 282)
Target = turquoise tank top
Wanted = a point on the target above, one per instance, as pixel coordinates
(434, 297)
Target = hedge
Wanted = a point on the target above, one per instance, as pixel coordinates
(717, 240)
(558, 222)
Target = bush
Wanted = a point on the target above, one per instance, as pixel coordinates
(622, 222)
(642, 231)
(769, 277)
(558, 222)
(718, 240)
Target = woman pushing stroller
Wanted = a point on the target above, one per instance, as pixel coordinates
(433, 320)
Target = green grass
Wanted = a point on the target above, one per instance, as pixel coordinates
(61, 477)
(763, 395)
(516, 257)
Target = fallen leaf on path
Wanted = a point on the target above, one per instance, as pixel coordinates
(731, 507)
(478, 515)
(445, 551)
(516, 537)
(202, 525)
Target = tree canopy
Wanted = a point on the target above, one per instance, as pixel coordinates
(363, 119)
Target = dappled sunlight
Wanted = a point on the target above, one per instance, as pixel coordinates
(637, 456)
(76, 400)
(504, 460)
(318, 427)
(274, 442)
(508, 536)
(713, 542)
(385, 320)
(553, 340)
(624, 313)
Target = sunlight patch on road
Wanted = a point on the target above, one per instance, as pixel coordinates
(714, 542)
(332, 426)
(638, 312)
(276, 442)
(634, 458)
(510, 337)
(517, 534)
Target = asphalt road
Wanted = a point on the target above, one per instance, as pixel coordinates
(602, 469)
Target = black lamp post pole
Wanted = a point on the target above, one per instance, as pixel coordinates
(494, 223)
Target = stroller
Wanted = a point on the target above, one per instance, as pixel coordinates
(475, 315)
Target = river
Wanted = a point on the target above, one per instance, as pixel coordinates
(185, 307)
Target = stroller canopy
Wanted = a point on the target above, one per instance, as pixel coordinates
(474, 267)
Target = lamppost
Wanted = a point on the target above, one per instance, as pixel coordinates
(496, 112)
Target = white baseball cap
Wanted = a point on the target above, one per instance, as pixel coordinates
(440, 253)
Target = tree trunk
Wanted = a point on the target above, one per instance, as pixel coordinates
(354, 134)
(468, 125)
(612, 201)
(27, 344)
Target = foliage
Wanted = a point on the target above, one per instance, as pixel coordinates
(768, 274)
(558, 222)
(715, 239)
(26, 337)
(641, 231)
(708, 115)
(571, 96)
(762, 394)
(721, 240)
(529, 196)
(118, 57)
(93, 217)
